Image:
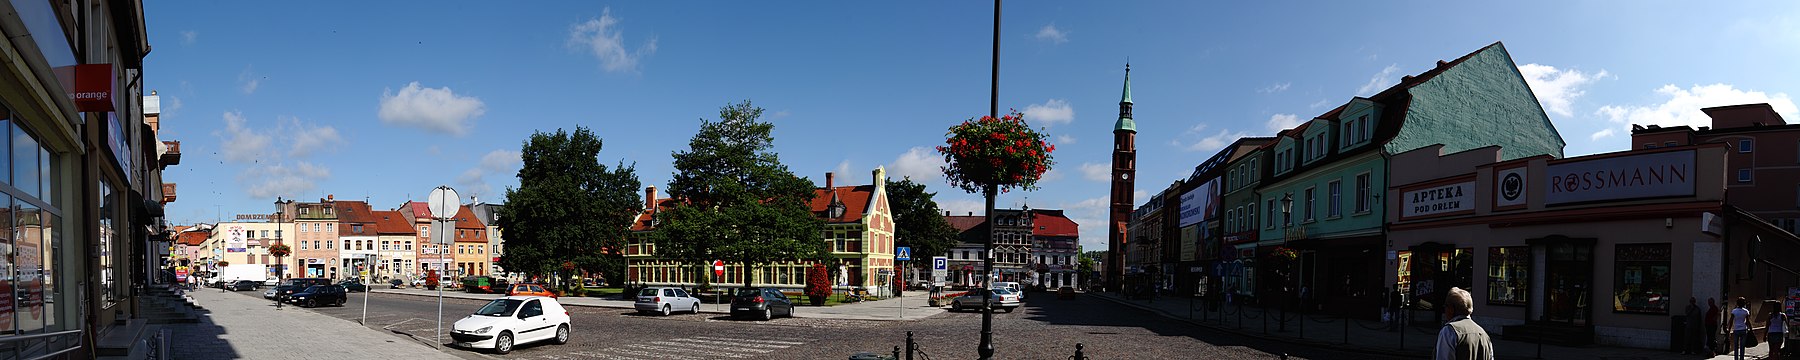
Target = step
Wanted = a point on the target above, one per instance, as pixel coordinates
(119, 339)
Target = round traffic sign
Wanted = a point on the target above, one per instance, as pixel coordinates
(443, 202)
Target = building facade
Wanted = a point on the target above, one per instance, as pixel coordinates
(471, 243)
(1055, 248)
(1013, 252)
(1765, 153)
(356, 239)
(489, 214)
(315, 230)
(398, 258)
(431, 256)
(1124, 168)
(859, 228)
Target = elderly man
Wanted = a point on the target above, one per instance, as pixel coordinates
(1461, 338)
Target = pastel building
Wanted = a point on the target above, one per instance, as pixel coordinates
(356, 238)
(398, 258)
(315, 230)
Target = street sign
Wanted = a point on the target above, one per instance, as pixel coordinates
(903, 253)
(718, 268)
(443, 232)
(940, 268)
(443, 202)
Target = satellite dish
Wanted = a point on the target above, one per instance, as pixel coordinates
(443, 202)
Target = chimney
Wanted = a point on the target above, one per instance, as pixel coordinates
(971, 213)
(650, 198)
(828, 177)
(946, 212)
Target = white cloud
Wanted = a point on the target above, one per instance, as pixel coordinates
(498, 162)
(308, 138)
(1279, 122)
(922, 164)
(958, 206)
(1216, 141)
(1320, 104)
(1380, 81)
(249, 81)
(1096, 171)
(843, 168)
(1091, 216)
(601, 37)
(431, 109)
(1683, 105)
(188, 37)
(1275, 88)
(238, 142)
(1602, 134)
(172, 106)
(1051, 34)
(280, 179)
(1051, 112)
(1065, 139)
(1557, 89)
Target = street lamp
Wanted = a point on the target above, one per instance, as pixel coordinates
(1287, 218)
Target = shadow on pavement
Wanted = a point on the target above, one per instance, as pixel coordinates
(1083, 311)
(200, 340)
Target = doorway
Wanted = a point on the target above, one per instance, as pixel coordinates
(1568, 283)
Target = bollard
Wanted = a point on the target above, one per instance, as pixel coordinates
(896, 353)
(1346, 330)
(910, 346)
(1078, 354)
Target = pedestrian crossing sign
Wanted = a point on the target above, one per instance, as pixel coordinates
(903, 253)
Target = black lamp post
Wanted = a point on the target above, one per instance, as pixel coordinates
(986, 349)
(1287, 218)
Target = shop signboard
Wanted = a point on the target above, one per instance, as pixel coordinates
(1510, 186)
(1660, 174)
(1438, 200)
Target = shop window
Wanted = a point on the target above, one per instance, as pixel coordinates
(1509, 275)
(1641, 278)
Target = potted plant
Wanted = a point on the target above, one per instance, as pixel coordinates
(818, 284)
(280, 250)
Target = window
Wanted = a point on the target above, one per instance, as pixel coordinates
(384, 245)
(1335, 192)
(1309, 204)
(1362, 193)
(1271, 216)
(1249, 216)
(1640, 274)
(346, 244)
(1743, 175)
(356, 228)
(1287, 215)
(1509, 275)
(332, 227)
(265, 234)
(1231, 219)
(408, 245)
(1668, 144)
(1746, 145)
(303, 245)
(1650, 146)
(1362, 127)
(424, 231)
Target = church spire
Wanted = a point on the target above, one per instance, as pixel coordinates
(1125, 122)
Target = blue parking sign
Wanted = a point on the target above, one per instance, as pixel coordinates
(903, 253)
(940, 263)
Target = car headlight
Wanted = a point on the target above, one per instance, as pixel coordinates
(483, 330)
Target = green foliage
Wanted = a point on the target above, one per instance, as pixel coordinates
(568, 207)
(739, 203)
(918, 222)
(818, 281)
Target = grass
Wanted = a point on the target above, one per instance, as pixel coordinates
(604, 292)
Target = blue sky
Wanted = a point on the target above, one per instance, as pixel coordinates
(386, 100)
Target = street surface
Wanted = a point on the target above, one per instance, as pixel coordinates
(1045, 328)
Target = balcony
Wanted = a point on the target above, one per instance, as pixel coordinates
(168, 191)
(171, 153)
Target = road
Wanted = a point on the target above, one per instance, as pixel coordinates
(1045, 328)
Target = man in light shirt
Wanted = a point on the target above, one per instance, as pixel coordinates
(1462, 338)
(1740, 327)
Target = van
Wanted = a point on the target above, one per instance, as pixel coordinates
(1014, 286)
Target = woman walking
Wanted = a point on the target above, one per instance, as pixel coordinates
(1777, 328)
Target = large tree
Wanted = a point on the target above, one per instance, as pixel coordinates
(738, 202)
(568, 208)
(918, 222)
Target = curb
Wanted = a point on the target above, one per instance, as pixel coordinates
(1302, 341)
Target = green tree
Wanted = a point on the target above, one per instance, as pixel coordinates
(739, 203)
(918, 222)
(568, 207)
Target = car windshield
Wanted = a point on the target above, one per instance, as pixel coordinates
(500, 307)
(649, 292)
(749, 292)
(1003, 291)
(314, 289)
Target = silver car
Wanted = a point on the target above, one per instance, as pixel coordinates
(665, 301)
(270, 293)
(1002, 299)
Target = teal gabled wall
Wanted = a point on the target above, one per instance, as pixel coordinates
(1482, 101)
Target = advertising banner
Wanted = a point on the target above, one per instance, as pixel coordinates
(1199, 204)
(234, 240)
(1190, 241)
(1620, 178)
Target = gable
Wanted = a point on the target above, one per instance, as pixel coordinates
(1482, 100)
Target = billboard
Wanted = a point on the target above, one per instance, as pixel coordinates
(1650, 175)
(234, 240)
(1199, 204)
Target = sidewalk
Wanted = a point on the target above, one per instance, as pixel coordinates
(917, 306)
(247, 327)
(1371, 336)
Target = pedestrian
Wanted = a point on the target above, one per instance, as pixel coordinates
(1393, 308)
(1462, 338)
(1740, 327)
(1712, 321)
(1777, 328)
(1692, 343)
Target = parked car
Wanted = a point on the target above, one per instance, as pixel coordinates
(297, 285)
(270, 293)
(242, 285)
(319, 295)
(483, 284)
(1015, 287)
(1065, 293)
(395, 283)
(354, 286)
(530, 290)
(513, 320)
(762, 303)
(1002, 299)
(665, 301)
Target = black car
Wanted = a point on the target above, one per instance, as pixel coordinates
(354, 286)
(318, 295)
(292, 286)
(241, 285)
(761, 303)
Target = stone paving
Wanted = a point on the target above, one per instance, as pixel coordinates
(237, 326)
(916, 305)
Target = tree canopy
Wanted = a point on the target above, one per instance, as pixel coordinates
(918, 222)
(739, 203)
(568, 206)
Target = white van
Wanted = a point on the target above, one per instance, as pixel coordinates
(1016, 287)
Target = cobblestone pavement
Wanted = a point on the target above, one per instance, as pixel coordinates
(1045, 328)
(248, 327)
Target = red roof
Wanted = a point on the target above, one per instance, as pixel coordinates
(193, 238)
(964, 223)
(392, 222)
(465, 219)
(855, 199)
(354, 213)
(419, 209)
(1053, 223)
(643, 219)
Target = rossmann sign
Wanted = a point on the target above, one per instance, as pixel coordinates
(1661, 174)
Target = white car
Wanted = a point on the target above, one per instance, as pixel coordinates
(513, 320)
(1014, 286)
(665, 301)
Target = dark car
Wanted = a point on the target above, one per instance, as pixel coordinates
(241, 285)
(354, 286)
(318, 295)
(761, 303)
(296, 285)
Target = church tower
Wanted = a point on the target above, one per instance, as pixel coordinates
(1124, 171)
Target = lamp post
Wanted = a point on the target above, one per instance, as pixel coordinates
(1287, 219)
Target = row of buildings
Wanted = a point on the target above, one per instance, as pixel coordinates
(338, 239)
(1031, 246)
(1455, 177)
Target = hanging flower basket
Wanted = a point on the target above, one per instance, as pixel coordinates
(1004, 152)
(280, 250)
(1283, 254)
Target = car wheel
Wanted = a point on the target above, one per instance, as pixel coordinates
(666, 310)
(696, 309)
(503, 344)
(312, 303)
(956, 306)
(768, 314)
(562, 334)
(1008, 310)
